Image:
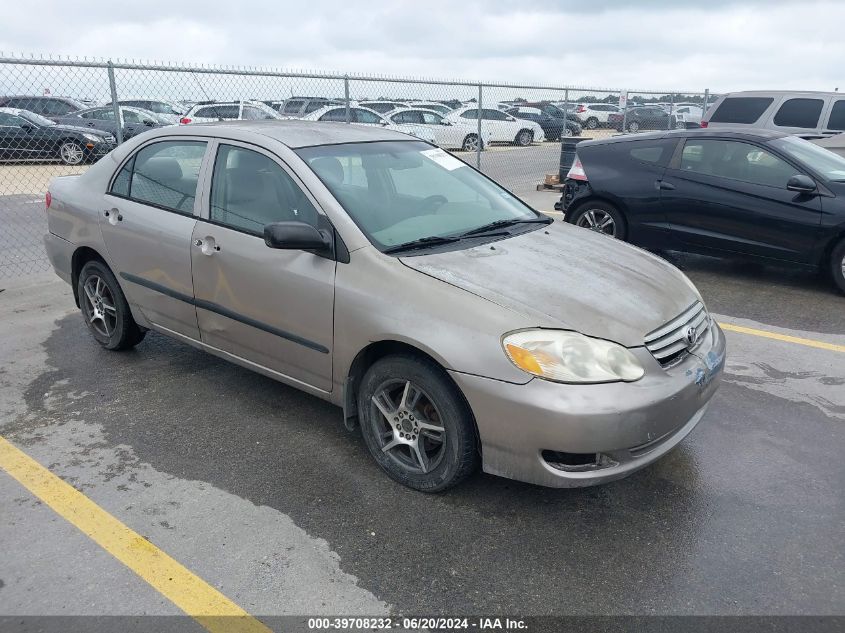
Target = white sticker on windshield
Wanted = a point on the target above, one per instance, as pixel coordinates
(444, 159)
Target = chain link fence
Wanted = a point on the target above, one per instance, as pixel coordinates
(59, 116)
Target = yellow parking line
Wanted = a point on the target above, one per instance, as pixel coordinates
(808, 342)
(210, 608)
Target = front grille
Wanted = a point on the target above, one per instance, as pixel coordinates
(109, 138)
(670, 342)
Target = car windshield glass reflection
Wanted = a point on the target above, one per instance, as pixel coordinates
(402, 192)
(819, 159)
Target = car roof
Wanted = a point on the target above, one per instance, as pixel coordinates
(716, 132)
(296, 133)
(778, 93)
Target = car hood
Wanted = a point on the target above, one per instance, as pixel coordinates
(566, 277)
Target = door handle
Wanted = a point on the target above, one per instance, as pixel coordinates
(665, 186)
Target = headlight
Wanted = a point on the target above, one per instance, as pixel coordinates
(95, 139)
(564, 356)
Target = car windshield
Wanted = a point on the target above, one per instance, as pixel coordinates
(819, 159)
(399, 192)
(36, 118)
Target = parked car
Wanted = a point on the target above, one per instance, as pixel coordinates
(430, 105)
(499, 126)
(296, 107)
(688, 115)
(387, 277)
(229, 111)
(835, 144)
(803, 113)
(365, 116)
(460, 134)
(644, 118)
(26, 135)
(552, 126)
(753, 193)
(574, 126)
(169, 110)
(383, 107)
(135, 120)
(48, 107)
(594, 115)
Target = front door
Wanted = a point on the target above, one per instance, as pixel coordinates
(271, 307)
(147, 221)
(732, 196)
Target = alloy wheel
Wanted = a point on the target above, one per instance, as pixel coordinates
(408, 426)
(99, 305)
(633, 126)
(71, 153)
(471, 143)
(599, 221)
(525, 138)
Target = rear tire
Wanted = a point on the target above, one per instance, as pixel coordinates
(601, 217)
(470, 143)
(592, 123)
(524, 138)
(416, 424)
(633, 127)
(105, 309)
(837, 265)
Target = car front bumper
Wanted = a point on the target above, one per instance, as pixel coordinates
(545, 433)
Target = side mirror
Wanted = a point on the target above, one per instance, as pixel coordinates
(801, 184)
(298, 236)
(149, 122)
(26, 127)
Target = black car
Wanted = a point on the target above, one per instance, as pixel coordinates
(643, 118)
(557, 115)
(552, 126)
(750, 193)
(26, 135)
(135, 120)
(49, 107)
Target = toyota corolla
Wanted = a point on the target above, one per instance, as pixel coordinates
(454, 325)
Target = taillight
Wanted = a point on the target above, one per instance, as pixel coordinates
(704, 123)
(184, 120)
(576, 172)
(48, 199)
(580, 109)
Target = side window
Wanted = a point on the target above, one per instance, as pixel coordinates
(163, 174)
(249, 191)
(255, 114)
(311, 107)
(737, 161)
(656, 152)
(802, 113)
(470, 114)
(10, 120)
(365, 116)
(837, 116)
(741, 109)
(410, 116)
(337, 114)
(431, 118)
(293, 106)
(496, 115)
(103, 115)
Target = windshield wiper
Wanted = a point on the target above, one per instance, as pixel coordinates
(500, 224)
(423, 242)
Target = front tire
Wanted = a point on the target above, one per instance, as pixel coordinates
(633, 127)
(71, 153)
(601, 217)
(524, 138)
(105, 309)
(592, 123)
(837, 265)
(416, 424)
(470, 143)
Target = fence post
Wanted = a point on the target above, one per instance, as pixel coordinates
(478, 147)
(704, 107)
(346, 96)
(671, 111)
(115, 105)
(564, 131)
(625, 113)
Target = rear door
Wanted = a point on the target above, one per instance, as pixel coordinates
(835, 118)
(268, 306)
(798, 115)
(147, 222)
(731, 195)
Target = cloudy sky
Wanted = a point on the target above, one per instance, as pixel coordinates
(686, 45)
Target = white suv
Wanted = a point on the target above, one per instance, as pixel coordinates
(802, 113)
(593, 115)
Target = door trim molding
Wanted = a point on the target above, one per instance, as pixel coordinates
(223, 311)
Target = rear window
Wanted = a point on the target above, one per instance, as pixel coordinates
(741, 109)
(837, 116)
(803, 113)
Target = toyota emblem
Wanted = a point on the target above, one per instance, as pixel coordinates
(691, 336)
